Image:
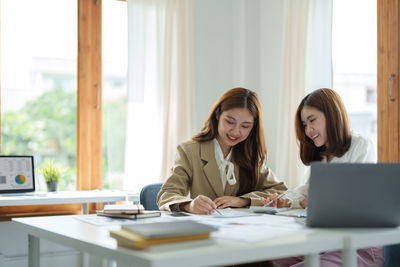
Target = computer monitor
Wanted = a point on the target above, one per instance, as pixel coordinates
(16, 174)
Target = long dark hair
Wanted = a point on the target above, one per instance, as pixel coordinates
(337, 126)
(249, 154)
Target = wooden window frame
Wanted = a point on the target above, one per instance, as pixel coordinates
(89, 135)
(388, 65)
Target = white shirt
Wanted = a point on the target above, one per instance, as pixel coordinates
(225, 165)
(361, 151)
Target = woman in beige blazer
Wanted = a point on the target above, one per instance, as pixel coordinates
(224, 165)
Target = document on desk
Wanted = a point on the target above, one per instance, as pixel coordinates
(231, 213)
(245, 226)
(105, 221)
(258, 228)
(223, 214)
(252, 233)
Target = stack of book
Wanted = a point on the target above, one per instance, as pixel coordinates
(141, 236)
(127, 211)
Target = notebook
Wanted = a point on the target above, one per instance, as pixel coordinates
(354, 195)
(16, 174)
(141, 215)
(168, 229)
(123, 208)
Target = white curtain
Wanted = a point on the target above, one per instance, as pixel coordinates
(160, 87)
(306, 66)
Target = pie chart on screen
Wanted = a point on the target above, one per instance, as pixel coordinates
(20, 179)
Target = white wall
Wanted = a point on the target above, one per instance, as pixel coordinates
(239, 43)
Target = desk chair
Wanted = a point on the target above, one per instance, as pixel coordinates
(148, 196)
(391, 255)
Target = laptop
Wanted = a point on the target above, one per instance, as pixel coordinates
(16, 175)
(354, 195)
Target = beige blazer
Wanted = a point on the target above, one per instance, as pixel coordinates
(195, 172)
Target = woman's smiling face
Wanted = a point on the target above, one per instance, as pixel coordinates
(314, 122)
(234, 126)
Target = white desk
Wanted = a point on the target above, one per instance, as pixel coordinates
(69, 231)
(365, 237)
(68, 197)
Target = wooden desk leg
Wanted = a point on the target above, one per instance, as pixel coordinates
(85, 208)
(33, 251)
(311, 260)
(349, 257)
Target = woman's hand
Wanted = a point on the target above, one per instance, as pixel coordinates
(229, 201)
(304, 202)
(277, 203)
(200, 205)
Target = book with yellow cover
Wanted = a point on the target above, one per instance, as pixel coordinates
(167, 229)
(131, 240)
(140, 236)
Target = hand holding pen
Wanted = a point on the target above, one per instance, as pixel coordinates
(276, 199)
(200, 205)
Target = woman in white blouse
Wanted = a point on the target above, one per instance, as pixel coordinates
(323, 132)
(222, 166)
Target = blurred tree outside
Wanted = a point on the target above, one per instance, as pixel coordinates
(46, 128)
(114, 132)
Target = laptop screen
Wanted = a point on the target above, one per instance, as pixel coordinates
(16, 174)
(354, 195)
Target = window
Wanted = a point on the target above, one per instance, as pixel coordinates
(38, 53)
(354, 56)
(115, 64)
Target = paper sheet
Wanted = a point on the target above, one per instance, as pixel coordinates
(232, 224)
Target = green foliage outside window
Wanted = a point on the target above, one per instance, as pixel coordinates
(46, 127)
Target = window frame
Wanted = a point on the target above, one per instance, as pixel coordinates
(89, 128)
(388, 64)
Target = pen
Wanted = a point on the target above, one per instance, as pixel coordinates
(217, 211)
(278, 197)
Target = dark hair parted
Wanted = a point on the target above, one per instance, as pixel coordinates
(249, 154)
(337, 126)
